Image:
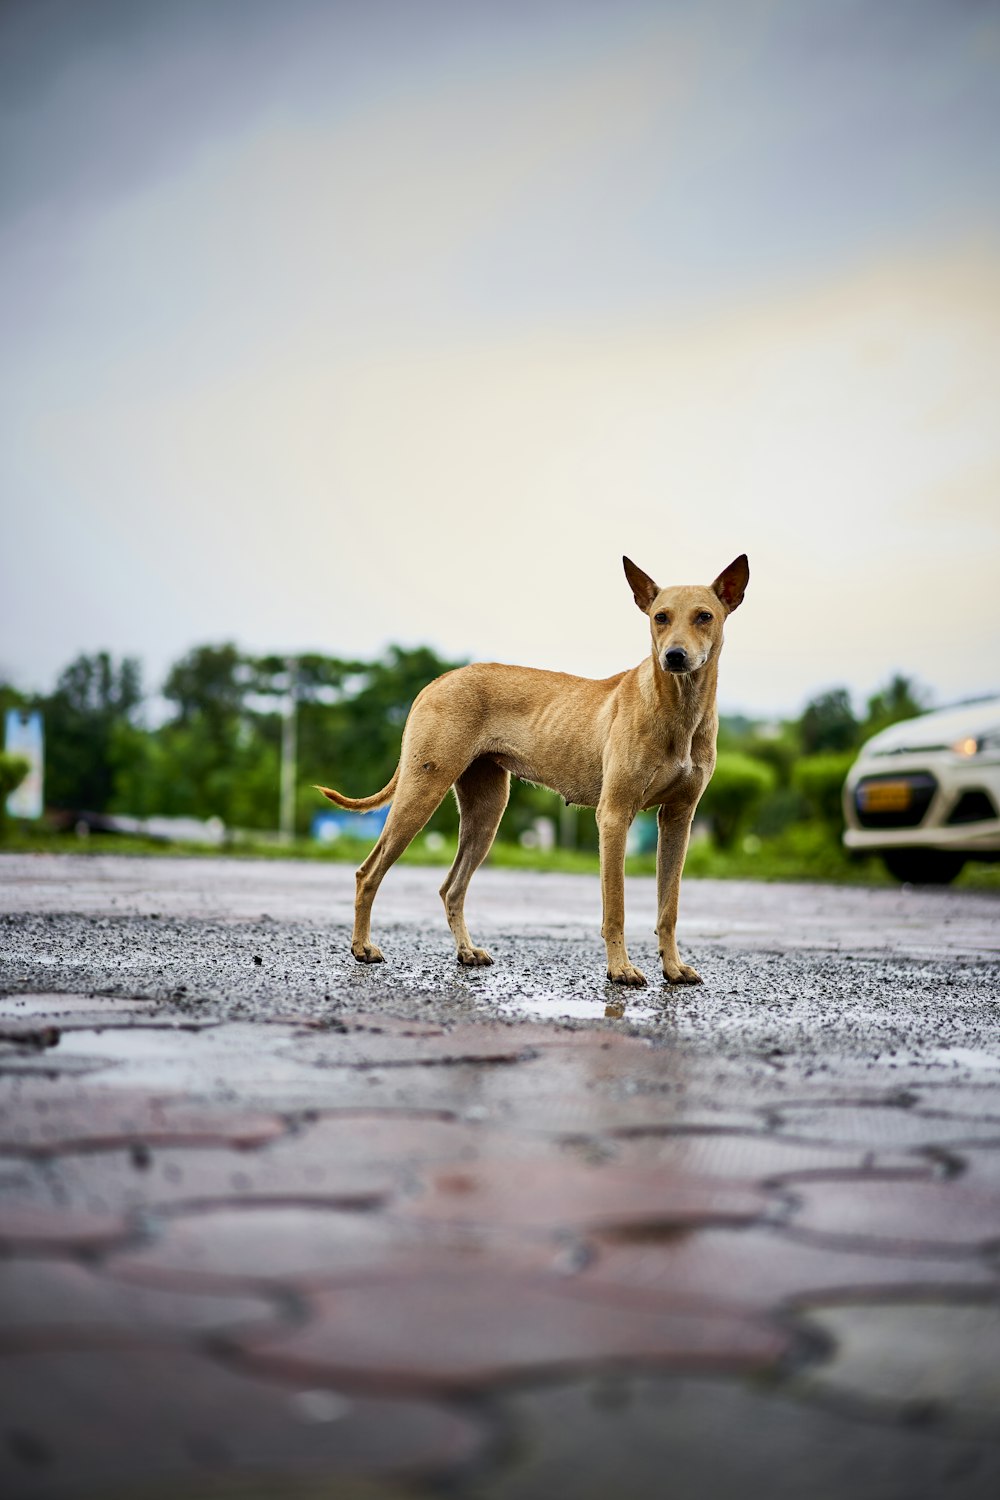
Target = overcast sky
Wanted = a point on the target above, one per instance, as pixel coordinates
(328, 325)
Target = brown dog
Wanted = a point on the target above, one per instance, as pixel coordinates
(644, 738)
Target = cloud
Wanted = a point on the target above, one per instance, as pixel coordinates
(481, 495)
(408, 331)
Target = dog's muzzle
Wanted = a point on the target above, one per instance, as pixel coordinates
(676, 660)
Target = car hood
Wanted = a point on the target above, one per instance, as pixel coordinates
(938, 730)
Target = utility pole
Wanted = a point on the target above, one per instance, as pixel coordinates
(289, 752)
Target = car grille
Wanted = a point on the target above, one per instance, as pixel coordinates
(920, 788)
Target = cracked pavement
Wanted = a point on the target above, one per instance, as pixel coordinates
(276, 1224)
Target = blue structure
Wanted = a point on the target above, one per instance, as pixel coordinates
(328, 826)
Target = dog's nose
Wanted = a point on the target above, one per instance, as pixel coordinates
(676, 659)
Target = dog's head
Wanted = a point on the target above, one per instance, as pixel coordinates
(686, 621)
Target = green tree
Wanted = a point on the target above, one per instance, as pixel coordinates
(828, 723)
(93, 695)
(12, 697)
(218, 755)
(901, 698)
(210, 684)
(349, 733)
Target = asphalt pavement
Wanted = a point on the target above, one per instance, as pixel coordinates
(273, 1223)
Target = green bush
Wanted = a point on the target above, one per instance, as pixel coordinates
(779, 810)
(819, 779)
(733, 795)
(13, 770)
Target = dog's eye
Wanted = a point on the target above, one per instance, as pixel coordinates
(703, 617)
(661, 617)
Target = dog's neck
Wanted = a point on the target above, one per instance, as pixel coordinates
(685, 702)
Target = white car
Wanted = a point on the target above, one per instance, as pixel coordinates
(925, 794)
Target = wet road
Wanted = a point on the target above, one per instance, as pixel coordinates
(817, 971)
(276, 1224)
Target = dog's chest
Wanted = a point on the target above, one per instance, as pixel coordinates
(672, 780)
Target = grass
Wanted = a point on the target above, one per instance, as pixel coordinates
(805, 851)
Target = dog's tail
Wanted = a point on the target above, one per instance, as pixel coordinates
(363, 804)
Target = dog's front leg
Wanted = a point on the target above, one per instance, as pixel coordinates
(613, 821)
(673, 829)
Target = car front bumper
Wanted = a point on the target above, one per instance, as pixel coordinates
(937, 816)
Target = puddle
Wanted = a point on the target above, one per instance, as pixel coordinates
(29, 1007)
(175, 1057)
(577, 1008)
(969, 1059)
(125, 1044)
(910, 1359)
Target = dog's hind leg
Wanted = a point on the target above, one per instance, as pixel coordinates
(417, 795)
(482, 791)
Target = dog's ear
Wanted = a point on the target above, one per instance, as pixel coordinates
(643, 587)
(731, 583)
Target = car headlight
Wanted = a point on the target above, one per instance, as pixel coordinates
(981, 746)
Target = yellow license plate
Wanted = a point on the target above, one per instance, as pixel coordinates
(885, 796)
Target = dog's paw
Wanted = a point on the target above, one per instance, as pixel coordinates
(367, 953)
(474, 958)
(627, 973)
(681, 974)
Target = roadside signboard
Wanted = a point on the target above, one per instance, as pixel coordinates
(23, 735)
